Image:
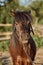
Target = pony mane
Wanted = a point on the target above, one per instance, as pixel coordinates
(23, 16)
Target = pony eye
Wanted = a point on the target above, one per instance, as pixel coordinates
(16, 23)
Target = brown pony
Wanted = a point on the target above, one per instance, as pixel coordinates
(22, 46)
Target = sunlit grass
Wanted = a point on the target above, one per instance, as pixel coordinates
(38, 41)
(4, 45)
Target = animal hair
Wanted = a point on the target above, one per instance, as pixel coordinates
(23, 16)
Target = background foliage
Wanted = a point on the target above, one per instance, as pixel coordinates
(36, 8)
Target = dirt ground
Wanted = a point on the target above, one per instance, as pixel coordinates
(6, 56)
(39, 57)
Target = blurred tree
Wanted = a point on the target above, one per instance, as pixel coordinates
(37, 7)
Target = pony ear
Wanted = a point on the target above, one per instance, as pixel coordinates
(12, 12)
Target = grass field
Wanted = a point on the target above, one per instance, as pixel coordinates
(38, 41)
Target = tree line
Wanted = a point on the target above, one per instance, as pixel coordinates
(36, 8)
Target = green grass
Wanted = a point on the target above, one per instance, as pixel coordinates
(0, 63)
(38, 41)
(41, 21)
(4, 45)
